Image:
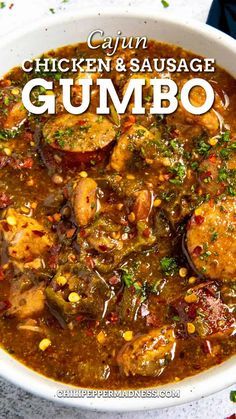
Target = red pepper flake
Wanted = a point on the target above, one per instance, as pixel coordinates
(114, 280)
(4, 160)
(25, 164)
(39, 233)
(114, 317)
(6, 226)
(70, 233)
(82, 122)
(82, 233)
(212, 158)
(5, 200)
(4, 305)
(89, 332)
(199, 219)
(211, 203)
(80, 318)
(89, 262)
(103, 248)
(197, 251)
(130, 121)
(192, 311)
(2, 275)
(146, 232)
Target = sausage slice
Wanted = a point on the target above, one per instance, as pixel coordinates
(78, 137)
(211, 239)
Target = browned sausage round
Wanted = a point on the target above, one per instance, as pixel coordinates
(78, 137)
(211, 239)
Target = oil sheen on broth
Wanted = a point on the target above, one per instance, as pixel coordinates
(117, 234)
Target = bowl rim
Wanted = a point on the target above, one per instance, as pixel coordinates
(192, 388)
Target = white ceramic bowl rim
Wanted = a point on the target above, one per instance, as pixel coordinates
(192, 388)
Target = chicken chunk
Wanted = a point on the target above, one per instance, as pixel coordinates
(84, 201)
(130, 141)
(211, 239)
(16, 116)
(28, 303)
(25, 237)
(208, 121)
(148, 355)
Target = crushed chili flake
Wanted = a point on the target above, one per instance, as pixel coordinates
(114, 280)
(103, 248)
(5, 305)
(5, 200)
(146, 232)
(80, 318)
(70, 233)
(212, 158)
(39, 233)
(197, 251)
(89, 262)
(2, 275)
(22, 164)
(4, 160)
(199, 219)
(114, 317)
(89, 332)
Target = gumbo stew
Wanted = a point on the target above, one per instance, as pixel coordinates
(118, 233)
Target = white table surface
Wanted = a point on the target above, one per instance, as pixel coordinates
(14, 402)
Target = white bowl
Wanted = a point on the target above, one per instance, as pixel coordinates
(69, 29)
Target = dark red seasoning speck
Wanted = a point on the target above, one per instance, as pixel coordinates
(103, 248)
(2, 275)
(146, 232)
(4, 305)
(81, 123)
(25, 164)
(199, 219)
(5, 200)
(39, 233)
(114, 280)
(114, 317)
(90, 262)
(197, 251)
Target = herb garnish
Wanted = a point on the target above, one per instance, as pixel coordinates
(169, 266)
